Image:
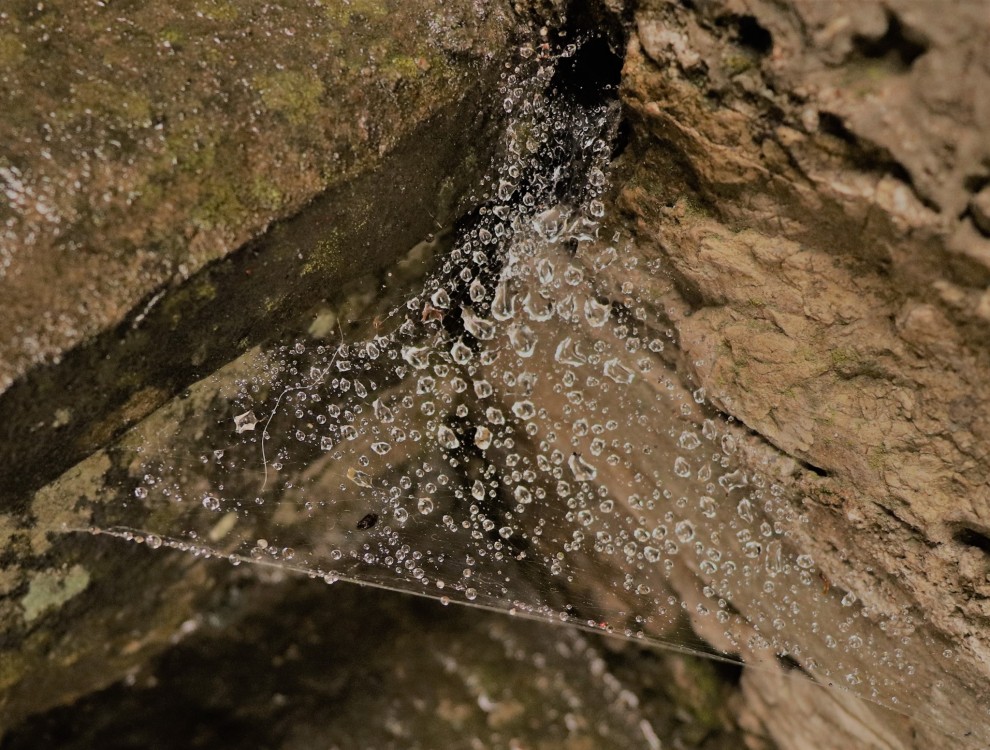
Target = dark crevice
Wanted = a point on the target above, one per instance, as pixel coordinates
(812, 468)
(974, 183)
(729, 672)
(590, 76)
(747, 32)
(623, 137)
(790, 664)
(833, 125)
(752, 35)
(902, 523)
(897, 45)
(803, 463)
(868, 156)
(972, 537)
(585, 81)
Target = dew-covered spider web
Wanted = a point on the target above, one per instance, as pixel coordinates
(517, 433)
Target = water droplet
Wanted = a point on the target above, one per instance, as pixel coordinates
(568, 353)
(728, 445)
(418, 357)
(544, 271)
(504, 304)
(536, 308)
(733, 480)
(573, 276)
(745, 510)
(618, 371)
(382, 412)
(440, 299)
(480, 328)
(359, 477)
(447, 437)
(460, 353)
(482, 437)
(523, 339)
(707, 505)
(524, 409)
(211, 503)
(681, 467)
(244, 422)
(596, 313)
(425, 506)
(604, 258)
(582, 470)
(684, 531)
(477, 291)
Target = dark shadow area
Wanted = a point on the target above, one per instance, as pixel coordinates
(749, 33)
(897, 45)
(350, 667)
(973, 537)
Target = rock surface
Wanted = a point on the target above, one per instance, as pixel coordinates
(183, 183)
(812, 182)
(806, 171)
(144, 150)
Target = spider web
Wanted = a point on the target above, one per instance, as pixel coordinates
(519, 435)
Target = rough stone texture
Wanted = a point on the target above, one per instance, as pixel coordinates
(143, 148)
(294, 667)
(146, 150)
(812, 176)
(142, 143)
(806, 170)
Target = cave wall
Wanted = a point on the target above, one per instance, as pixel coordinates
(814, 174)
(812, 178)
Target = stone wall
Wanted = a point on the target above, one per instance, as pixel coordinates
(811, 178)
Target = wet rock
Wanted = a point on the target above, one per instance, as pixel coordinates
(164, 190)
(180, 184)
(796, 255)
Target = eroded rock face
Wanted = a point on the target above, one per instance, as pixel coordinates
(144, 149)
(794, 169)
(141, 146)
(790, 314)
(154, 166)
